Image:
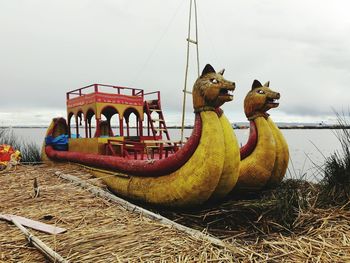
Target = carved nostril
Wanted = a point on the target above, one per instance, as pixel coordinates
(278, 95)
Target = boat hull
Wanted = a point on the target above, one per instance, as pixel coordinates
(188, 184)
(282, 156)
(257, 167)
(230, 172)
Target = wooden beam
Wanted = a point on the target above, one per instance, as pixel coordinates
(41, 246)
(46, 228)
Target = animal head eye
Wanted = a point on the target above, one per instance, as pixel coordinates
(260, 91)
(214, 81)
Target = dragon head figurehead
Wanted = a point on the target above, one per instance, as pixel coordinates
(259, 100)
(211, 90)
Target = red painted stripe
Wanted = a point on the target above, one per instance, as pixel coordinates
(249, 147)
(135, 167)
(105, 98)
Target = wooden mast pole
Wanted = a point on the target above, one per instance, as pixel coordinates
(195, 42)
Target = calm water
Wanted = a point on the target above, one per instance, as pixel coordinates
(307, 147)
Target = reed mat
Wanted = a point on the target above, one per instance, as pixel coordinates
(101, 231)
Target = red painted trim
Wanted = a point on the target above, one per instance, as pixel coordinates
(135, 167)
(219, 112)
(249, 147)
(104, 98)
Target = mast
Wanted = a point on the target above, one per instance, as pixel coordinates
(194, 42)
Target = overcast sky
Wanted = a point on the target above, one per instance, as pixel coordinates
(50, 47)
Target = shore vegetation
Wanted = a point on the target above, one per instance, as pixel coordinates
(30, 151)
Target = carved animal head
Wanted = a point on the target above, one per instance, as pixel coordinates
(211, 90)
(259, 100)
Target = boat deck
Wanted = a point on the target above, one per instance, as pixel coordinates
(148, 149)
(132, 150)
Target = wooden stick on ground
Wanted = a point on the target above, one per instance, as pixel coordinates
(144, 212)
(48, 229)
(41, 246)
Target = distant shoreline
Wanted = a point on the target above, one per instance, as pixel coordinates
(236, 127)
(331, 127)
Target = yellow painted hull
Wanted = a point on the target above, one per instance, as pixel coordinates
(282, 155)
(192, 184)
(266, 166)
(256, 169)
(230, 172)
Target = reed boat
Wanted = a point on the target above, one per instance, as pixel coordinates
(265, 156)
(147, 165)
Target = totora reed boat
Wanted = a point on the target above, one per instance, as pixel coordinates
(143, 163)
(148, 166)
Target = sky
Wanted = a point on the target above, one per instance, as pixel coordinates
(50, 47)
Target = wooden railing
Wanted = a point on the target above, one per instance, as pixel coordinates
(96, 88)
(148, 147)
(157, 93)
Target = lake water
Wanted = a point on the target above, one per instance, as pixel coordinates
(308, 148)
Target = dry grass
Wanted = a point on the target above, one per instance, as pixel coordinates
(99, 231)
(335, 185)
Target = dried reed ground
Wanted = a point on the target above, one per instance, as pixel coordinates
(99, 231)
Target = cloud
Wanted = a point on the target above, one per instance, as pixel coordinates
(33, 117)
(49, 48)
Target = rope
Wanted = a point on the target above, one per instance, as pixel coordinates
(155, 47)
(187, 61)
(208, 37)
